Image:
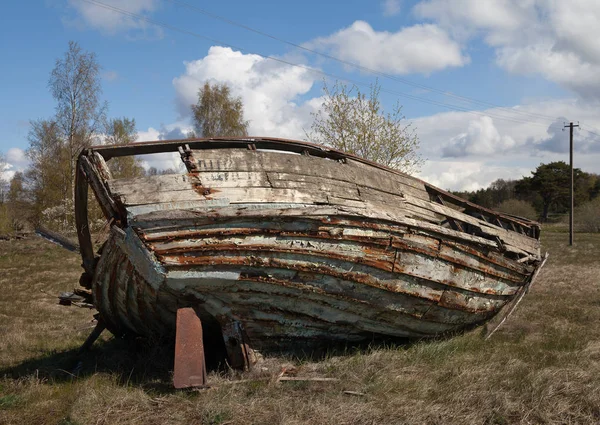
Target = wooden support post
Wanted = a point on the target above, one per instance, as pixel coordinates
(100, 326)
(190, 366)
(241, 356)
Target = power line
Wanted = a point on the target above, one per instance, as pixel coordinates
(355, 65)
(595, 133)
(311, 69)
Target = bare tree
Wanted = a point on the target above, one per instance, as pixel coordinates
(75, 85)
(120, 131)
(217, 113)
(356, 123)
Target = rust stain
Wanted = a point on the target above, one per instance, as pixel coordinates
(190, 367)
(341, 262)
(204, 191)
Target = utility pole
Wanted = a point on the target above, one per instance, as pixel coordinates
(571, 126)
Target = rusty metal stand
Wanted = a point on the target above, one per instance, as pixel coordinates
(190, 366)
(100, 326)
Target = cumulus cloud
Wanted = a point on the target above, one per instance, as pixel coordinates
(496, 20)
(88, 15)
(558, 40)
(480, 138)
(526, 144)
(270, 91)
(458, 133)
(390, 7)
(468, 175)
(416, 49)
(557, 140)
(167, 160)
(15, 160)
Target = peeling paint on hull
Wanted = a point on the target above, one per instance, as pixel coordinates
(299, 247)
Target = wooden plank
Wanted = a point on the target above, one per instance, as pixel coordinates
(98, 161)
(299, 147)
(133, 211)
(160, 183)
(521, 241)
(142, 187)
(509, 308)
(377, 197)
(325, 187)
(232, 195)
(385, 218)
(276, 176)
(81, 220)
(107, 203)
(405, 179)
(57, 238)
(244, 160)
(234, 179)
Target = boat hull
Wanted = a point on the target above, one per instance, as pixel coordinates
(297, 250)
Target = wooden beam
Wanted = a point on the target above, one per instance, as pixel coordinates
(81, 220)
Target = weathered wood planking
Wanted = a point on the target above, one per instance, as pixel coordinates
(353, 217)
(300, 247)
(229, 185)
(246, 160)
(508, 237)
(321, 308)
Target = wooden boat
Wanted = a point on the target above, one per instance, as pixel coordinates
(280, 244)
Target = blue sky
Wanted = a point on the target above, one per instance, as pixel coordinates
(538, 60)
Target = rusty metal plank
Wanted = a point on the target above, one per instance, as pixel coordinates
(190, 367)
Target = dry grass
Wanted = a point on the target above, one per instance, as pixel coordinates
(542, 367)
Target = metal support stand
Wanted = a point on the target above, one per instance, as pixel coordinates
(190, 366)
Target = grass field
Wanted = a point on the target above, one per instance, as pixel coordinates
(541, 367)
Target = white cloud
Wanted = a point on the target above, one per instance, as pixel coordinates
(89, 15)
(491, 149)
(391, 7)
(558, 40)
(167, 160)
(480, 138)
(497, 20)
(15, 160)
(468, 175)
(416, 49)
(270, 91)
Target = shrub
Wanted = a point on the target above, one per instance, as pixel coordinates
(519, 208)
(4, 220)
(587, 217)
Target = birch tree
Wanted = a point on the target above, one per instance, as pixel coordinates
(121, 131)
(75, 85)
(356, 123)
(218, 113)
